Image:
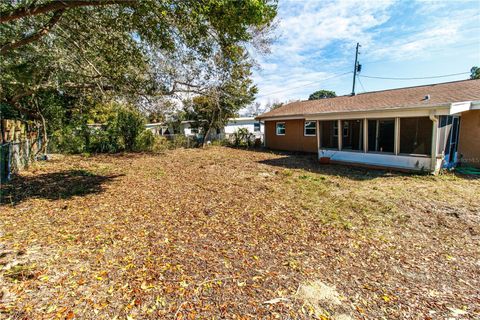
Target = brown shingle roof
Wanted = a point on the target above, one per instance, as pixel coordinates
(440, 94)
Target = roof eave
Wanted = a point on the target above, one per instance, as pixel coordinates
(305, 115)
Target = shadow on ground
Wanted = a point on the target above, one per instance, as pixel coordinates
(53, 186)
(310, 163)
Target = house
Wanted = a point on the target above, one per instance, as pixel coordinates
(159, 128)
(189, 128)
(253, 126)
(419, 128)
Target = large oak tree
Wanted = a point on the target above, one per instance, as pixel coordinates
(124, 49)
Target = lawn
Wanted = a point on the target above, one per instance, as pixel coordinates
(227, 233)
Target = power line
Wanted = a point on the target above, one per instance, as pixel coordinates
(361, 84)
(416, 78)
(304, 85)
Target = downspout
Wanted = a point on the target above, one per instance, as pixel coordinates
(433, 163)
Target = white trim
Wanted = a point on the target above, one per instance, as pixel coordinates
(433, 152)
(396, 137)
(283, 118)
(305, 129)
(378, 159)
(365, 135)
(412, 111)
(340, 134)
(284, 128)
(378, 114)
(459, 107)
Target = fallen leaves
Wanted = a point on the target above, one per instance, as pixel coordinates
(229, 233)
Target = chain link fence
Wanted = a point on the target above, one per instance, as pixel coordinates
(14, 156)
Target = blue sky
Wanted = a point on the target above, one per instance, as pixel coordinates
(316, 40)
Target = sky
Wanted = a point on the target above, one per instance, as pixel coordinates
(315, 43)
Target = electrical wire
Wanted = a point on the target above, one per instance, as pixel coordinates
(305, 85)
(416, 78)
(361, 84)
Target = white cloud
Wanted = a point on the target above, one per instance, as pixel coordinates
(304, 30)
(316, 40)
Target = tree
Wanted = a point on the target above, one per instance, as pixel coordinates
(475, 73)
(113, 46)
(322, 94)
(255, 109)
(233, 91)
(273, 105)
(129, 51)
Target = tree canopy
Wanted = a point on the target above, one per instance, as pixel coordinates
(233, 92)
(322, 94)
(124, 50)
(475, 73)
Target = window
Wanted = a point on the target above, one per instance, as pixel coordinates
(329, 134)
(352, 134)
(381, 135)
(310, 128)
(416, 135)
(256, 126)
(280, 128)
(346, 131)
(335, 128)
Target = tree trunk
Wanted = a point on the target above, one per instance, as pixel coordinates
(45, 136)
(204, 144)
(210, 125)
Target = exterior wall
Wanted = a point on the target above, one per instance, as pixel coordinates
(294, 138)
(469, 140)
(233, 126)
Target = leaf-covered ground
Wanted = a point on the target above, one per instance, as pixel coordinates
(227, 233)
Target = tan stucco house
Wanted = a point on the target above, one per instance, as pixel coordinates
(420, 128)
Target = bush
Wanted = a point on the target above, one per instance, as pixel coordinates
(129, 125)
(243, 138)
(102, 141)
(161, 144)
(67, 140)
(145, 141)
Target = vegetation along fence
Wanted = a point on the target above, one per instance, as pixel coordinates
(18, 145)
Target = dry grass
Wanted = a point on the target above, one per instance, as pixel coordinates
(217, 232)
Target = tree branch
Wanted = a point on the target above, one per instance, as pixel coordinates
(33, 37)
(34, 9)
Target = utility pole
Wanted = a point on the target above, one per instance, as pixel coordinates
(356, 68)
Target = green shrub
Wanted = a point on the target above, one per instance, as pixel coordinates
(67, 140)
(220, 142)
(243, 138)
(161, 144)
(145, 141)
(129, 125)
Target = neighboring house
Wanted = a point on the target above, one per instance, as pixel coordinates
(159, 128)
(253, 126)
(188, 128)
(417, 128)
